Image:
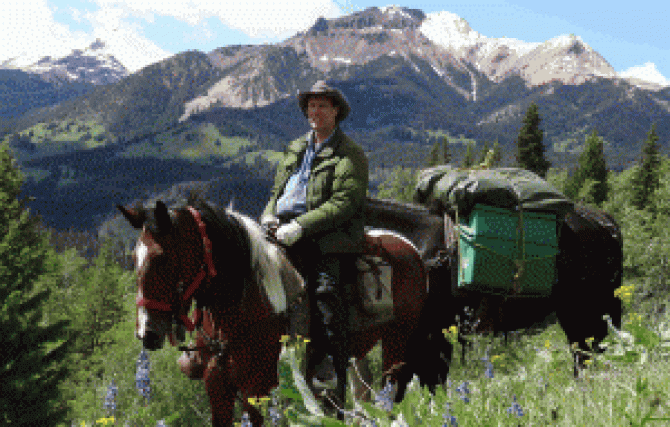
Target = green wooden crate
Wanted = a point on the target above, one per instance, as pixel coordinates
(489, 245)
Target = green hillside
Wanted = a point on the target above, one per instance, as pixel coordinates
(144, 103)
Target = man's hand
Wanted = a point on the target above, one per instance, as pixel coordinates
(270, 223)
(289, 233)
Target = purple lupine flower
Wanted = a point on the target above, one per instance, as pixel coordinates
(489, 366)
(449, 420)
(384, 398)
(142, 382)
(245, 420)
(488, 373)
(515, 408)
(110, 398)
(464, 391)
(275, 417)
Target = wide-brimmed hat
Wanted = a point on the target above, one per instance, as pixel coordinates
(322, 89)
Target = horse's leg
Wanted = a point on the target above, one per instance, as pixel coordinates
(394, 368)
(580, 324)
(221, 396)
(255, 415)
(341, 362)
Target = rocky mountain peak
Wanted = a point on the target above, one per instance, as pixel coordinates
(97, 44)
(566, 58)
(577, 48)
(94, 64)
(389, 17)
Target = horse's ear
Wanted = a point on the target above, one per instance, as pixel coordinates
(231, 205)
(135, 217)
(162, 218)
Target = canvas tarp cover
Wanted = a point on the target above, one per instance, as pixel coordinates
(446, 188)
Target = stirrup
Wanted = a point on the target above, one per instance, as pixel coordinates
(323, 377)
(329, 384)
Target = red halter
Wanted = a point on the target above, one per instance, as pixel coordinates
(186, 296)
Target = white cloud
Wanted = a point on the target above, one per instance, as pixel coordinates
(76, 15)
(256, 18)
(29, 31)
(646, 72)
(124, 39)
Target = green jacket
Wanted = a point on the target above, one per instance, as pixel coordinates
(336, 192)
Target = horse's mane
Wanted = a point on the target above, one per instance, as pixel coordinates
(264, 262)
(225, 232)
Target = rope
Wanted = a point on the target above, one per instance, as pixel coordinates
(519, 263)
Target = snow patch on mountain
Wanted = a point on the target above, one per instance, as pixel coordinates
(566, 58)
(393, 9)
(450, 30)
(95, 64)
(120, 56)
(565, 40)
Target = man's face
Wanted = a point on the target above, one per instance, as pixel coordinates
(321, 114)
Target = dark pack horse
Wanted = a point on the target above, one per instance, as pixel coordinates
(244, 288)
(589, 268)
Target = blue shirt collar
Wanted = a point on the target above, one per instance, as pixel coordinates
(312, 139)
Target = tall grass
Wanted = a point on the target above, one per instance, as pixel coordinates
(527, 382)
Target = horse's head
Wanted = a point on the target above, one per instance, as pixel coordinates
(169, 256)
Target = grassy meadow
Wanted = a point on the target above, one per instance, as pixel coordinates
(527, 382)
(627, 383)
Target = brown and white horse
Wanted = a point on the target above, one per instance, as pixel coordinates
(244, 286)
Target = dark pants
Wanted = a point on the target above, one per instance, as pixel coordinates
(330, 280)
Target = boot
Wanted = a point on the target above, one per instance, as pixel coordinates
(331, 333)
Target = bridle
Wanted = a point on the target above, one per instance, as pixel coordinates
(207, 271)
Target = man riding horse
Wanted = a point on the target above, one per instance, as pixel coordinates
(316, 212)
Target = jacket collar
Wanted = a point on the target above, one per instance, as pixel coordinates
(300, 145)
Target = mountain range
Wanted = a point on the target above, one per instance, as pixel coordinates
(409, 77)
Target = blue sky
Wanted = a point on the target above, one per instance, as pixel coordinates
(628, 34)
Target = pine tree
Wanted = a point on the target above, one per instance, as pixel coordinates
(530, 149)
(104, 293)
(497, 154)
(589, 181)
(434, 156)
(647, 178)
(439, 153)
(399, 185)
(30, 373)
(469, 158)
(484, 152)
(446, 155)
